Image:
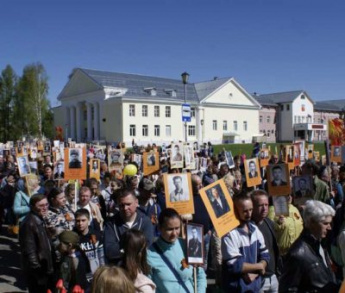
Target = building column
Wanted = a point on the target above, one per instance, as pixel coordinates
(66, 127)
(72, 122)
(89, 121)
(79, 121)
(96, 120)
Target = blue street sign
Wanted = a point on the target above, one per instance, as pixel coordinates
(186, 113)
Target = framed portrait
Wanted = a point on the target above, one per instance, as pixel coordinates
(33, 167)
(59, 170)
(189, 158)
(278, 179)
(176, 156)
(115, 159)
(203, 164)
(178, 192)
(336, 153)
(150, 162)
(23, 166)
(281, 205)
(95, 168)
(310, 151)
(219, 206)
(99, 154)
(229, 159)
(33, 153)
(47, 148)
(301, 145)
(138, 159)
(302, 189)
(20, 148)
(289, 156)
(297, 154)
(32, 184)
(251, 167)
(75, 163)
(264, 157)
(195, 243)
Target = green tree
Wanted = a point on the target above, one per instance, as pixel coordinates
(33, 91)
(8, 92)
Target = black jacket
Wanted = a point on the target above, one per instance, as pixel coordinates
(304, 269)
(114, 230)
(35, 246)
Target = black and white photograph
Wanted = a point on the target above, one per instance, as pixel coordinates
(115, 158)
(229, 159)
(302, 188)
(278, 179)
(59, 170)
(33, 167)
(23, 165)
(178, 187)
(99, 154)
(94, 166)
(336, 151)
(218, 201)
(137, 159)
(176, 156)
(252, 169)
(151, 159)
(188, 155)
(47, 148)
(195, 252)
(281, 205)
(75, 159)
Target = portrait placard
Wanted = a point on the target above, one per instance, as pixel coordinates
(115, 159)
(301, 145)
(297, 154)
(310, 151)
(33, 167)
(95, 169)
(264, 157)
(229, 159)
(33, 153)
(289, 156)
(59, 170)
(23, 165)
(150, 162)
(75, 163)
(99, 154)
(278, 179)
(47, 148)
(203, 164)
(281, 205)
(189, 158)
(138, 159)
(336, 153)
(195, 243)
(219, 206)
(178, 192)
(176, 156)
(251, 167)
(302, 189)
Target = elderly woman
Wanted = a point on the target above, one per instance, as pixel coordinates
(307, 267)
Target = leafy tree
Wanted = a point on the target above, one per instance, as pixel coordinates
(8, 93)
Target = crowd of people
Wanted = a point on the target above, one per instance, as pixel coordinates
(116, 234)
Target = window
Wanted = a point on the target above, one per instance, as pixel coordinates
(132, 110)
(303, 97)
(167, 130)
(281, 107)
(145, 130)
(191, 130)
(167, 111)
(156, 111)
(131, 130)
(245, 126)
(192, 112)
(268, 119)
(235, 125)
(157, 130)
(214, 124)
(287, 107)
(144, 111)
(260, 119)
(225, 125)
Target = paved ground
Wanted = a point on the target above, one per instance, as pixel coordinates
(11, 276)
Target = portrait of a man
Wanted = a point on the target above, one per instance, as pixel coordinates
(151, 159)
(194, 242)
(252, 170)
(94, 168)
(177, 156)
(59, 171)
(278, 176)
(23, 166)
(302, 187)
(180, 191)
(75, 159)
(218, 202)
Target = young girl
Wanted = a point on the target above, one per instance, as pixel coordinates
(135, 261)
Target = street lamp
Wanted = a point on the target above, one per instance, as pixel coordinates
(185, 77)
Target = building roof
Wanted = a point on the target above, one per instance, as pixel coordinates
(277, 98)
(205, 88)
(330, 106)
(136, 84)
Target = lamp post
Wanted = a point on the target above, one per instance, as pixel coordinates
(185, 77)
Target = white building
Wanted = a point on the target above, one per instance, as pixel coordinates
(294, 116)
(98, 105)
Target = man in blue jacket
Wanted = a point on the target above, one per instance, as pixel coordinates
(129, 217)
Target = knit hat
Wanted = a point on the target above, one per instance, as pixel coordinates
(69, 237)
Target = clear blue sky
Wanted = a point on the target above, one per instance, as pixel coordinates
(267, 46)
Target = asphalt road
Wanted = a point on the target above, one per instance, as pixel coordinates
(11, 275)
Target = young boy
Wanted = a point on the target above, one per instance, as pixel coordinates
(90, 242)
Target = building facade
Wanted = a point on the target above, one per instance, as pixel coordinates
(114, 107)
